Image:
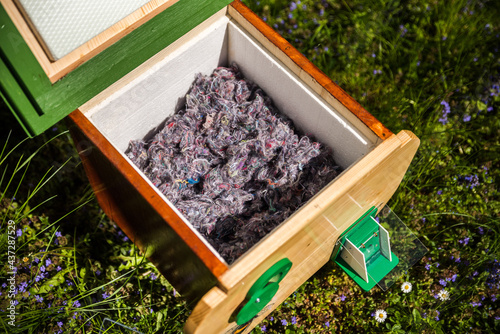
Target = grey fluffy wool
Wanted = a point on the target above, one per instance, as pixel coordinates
(231, 163)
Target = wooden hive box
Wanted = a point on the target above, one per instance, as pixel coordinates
(374, 159)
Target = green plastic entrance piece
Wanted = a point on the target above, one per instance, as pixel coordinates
(263, 291)
(365, 253)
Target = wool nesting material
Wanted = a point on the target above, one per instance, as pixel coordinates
(231, 163)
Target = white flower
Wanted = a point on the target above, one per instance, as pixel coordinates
(380, 315)
(443, 295)
(406, 287)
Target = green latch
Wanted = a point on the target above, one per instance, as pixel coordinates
(365, 251)
(263, 291)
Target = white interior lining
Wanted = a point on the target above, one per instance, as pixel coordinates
(144, 103)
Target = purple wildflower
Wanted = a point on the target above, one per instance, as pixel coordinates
(284, 322)
(76, 303)
(342, 298)
(105, 295)
(446, 111)
(403, 30)
(19, 232)
(464, 241)
(294, 320)
(442, 282)
(428, 266)
(48, 262)
(38, 298)
(42, 268)
(58, 234)
(467, 118)
(293, 6)
(437, 316)
(60, 323)
(263, 328)
(327, 324)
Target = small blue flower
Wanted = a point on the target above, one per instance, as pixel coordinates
(58, 234)
(403, 30)
(284, 322)
(467, 118)
(263, 328)
(293, 6)
(327, 324)
(342, 298)
(442, 282)
(76, 303)
(19, 232)
(294, 320)
(105, 295)
(428, 266)
(60, 324)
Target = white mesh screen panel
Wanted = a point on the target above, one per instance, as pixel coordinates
(64, 25)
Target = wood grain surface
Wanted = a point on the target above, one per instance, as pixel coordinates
(308, 237)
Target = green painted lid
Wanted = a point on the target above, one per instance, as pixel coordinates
(38, 104)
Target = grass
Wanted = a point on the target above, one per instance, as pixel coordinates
(431, 67)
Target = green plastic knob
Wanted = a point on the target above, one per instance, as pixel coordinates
(256, 303)
(263, 291)
(273, 275)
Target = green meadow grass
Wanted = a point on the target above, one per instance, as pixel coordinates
(432, 67)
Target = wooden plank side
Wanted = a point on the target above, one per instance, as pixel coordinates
(305, 69)
(55, 70)
(211, 261)
(308, 237)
